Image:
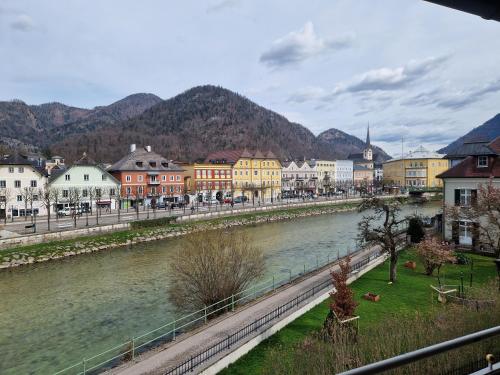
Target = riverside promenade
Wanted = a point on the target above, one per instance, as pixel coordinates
(205, 351)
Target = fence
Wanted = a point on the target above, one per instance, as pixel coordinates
(168, 332)
(225, 344)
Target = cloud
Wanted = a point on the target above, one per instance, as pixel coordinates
(456, 100)
(306, 94)
(465, 98)
(393, 79)
(301, 45)
(23, 22)
(222, 5)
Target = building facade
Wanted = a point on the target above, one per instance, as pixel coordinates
(210, 180)
(147, 177)
(299, 178)
(461, 185)
(363, 168)
(84, 184)
(21, 183)
(344, 174)
(416, 169)
(255, 174)
(325, 174)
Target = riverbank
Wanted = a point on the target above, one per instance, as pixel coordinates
(147, 231)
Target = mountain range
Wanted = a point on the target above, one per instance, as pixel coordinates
(485, 132)
(186, 127)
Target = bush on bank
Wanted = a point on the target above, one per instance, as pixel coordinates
(153, 223)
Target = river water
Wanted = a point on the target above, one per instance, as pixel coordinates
(53, 314)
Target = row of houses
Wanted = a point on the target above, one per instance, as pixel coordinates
(29, 184)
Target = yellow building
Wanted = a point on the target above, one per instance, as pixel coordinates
(416, 169)
(255, 174)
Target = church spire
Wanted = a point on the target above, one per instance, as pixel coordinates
(368, 136)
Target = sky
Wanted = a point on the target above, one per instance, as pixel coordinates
(409, 68)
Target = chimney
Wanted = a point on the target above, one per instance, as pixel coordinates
(148, 148)
(132, 147)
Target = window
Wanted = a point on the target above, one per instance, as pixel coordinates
(3, 183)
(112, 192)
(85, 177)
(139, 189)
(128, 190)
(139, 164)
(152, 164)
(140, 178)
(98, 192)
(33, 183)
(65, 193)
(171, 189)
(482, 161)
(164, 177)
(171, 177)
(104, 177)
(128, 178)
(85, 193)
(164, 189)
(17, 183)
(178, 178)
(465, 197)
(35, 197)
(20, 169)
(255, 173)
(67, 177)
(19, 198)
(11, 169)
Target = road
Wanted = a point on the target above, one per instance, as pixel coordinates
(18, 227)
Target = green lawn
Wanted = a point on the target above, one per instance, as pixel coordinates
(409, 294)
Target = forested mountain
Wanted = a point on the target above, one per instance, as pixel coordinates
(485, 132)
(185, 127)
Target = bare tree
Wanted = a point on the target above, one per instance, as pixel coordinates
(483, 212)
(92, 192)
(46, 198)
(56, 195)
(27, 195)
(75, 197)
(213, 266)
(5, 195)
(381, 228)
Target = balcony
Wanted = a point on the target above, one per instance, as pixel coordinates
(153, 182)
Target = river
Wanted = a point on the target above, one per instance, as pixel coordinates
(55, 313)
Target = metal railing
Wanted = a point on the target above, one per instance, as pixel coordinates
(404, 359)
(168, 332)
(256, 326)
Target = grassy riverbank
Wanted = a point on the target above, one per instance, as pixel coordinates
(402, 299)
(144, 232)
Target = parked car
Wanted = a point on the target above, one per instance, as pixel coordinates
(68, 211)
(241, 199)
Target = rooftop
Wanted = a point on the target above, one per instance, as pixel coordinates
(419, 153)
(143, 159)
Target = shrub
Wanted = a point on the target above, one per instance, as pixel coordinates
(461, 258)
(434, 254)
(163, 221)
(415, 229)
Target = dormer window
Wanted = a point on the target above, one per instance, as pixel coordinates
(482, 161)
(139, 164)
(164, 164)
(152, 164)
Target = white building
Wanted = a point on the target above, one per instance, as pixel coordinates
(343, 173)
(21, 182)
(85, 183)
(298, 178)
(461, 184)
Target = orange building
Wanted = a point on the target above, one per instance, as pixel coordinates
(146, 176)
(209, 178)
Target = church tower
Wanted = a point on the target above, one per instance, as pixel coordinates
(367, 152)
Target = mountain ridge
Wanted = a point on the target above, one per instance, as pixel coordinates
(186, 127)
